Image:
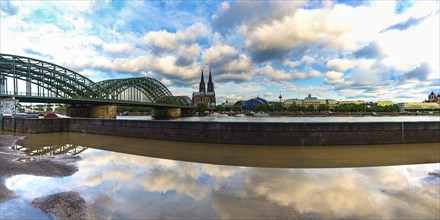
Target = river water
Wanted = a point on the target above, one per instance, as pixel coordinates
(129, 178)
(353, 118)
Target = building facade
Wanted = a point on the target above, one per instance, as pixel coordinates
(206, 96)
(311, 101)
(433, 98)
(421, 106)
(432, 104)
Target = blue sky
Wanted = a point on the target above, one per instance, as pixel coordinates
(355, 50)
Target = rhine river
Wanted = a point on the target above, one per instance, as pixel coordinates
(297, 119)
(129, 178)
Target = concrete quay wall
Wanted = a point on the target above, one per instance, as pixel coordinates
(252, 133)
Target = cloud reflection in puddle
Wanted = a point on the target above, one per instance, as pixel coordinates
(127, 186)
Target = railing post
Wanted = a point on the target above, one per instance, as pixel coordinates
(13, 122)
(403, 132)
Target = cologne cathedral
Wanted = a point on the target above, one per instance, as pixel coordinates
(205, 96)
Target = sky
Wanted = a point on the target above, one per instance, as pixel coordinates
(343, 50)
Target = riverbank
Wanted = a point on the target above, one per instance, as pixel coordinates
(350, 114)
(70, 207)
(343, 132)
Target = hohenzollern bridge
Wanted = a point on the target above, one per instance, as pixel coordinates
(32, 80)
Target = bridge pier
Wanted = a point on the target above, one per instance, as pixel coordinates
(100, 111)
(188, 112)
(166, 113)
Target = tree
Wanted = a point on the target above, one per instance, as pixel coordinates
(61, 109)
(21, 109)
(236, 108)
(296, 108)
(219, 108)
(310, 108)
(260, 108)
(323, 107)
(38, 109)
(292, 108)
(202, 107)
(277, 107)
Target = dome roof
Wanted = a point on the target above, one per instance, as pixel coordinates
(255, 101)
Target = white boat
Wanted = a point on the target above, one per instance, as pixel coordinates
(219, 114)
(261, 114)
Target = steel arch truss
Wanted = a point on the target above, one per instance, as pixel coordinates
(52, 80)
(177, 100)
(137, 89)
(151, 88)
(56, 80)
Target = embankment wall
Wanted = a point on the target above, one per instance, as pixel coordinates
(253, 133)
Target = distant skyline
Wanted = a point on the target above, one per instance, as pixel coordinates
(350, 50)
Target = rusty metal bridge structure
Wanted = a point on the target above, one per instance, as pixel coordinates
(32, 80)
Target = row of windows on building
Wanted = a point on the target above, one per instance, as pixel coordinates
(432, 103)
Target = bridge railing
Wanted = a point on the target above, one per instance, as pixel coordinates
(34, 94)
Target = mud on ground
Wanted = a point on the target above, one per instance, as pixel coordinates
(56, 167)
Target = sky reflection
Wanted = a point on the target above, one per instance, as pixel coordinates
(117, 185)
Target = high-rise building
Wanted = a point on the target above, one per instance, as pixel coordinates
(203, 95)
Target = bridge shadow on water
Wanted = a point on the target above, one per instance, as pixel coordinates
(236, 155)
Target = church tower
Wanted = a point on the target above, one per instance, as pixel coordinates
(210, 83)
(202, 84)
(203, 96)
(431, 97)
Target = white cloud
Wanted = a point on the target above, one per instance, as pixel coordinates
(217, 53)
(234, 77)
(304, 26)
(226, 60)
(182, 180)
(414, 46)
(170, 41)
(365, 73)
(307, 59)
(276, 74)
(340, 64)
(242, 64)
(219, 172)
(281, 75)
(189, 54)
(87, 73)
(225, 6)
(314, 73)
(334, 77)
(165, 64)
(118, 47)
(115, 174)
(166, 82)
(291, 64)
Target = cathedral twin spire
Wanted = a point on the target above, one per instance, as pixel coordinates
(210, 83)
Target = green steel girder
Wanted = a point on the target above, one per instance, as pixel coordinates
(57, 79)
(67, 84)
(150, 87)
(177, 100)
